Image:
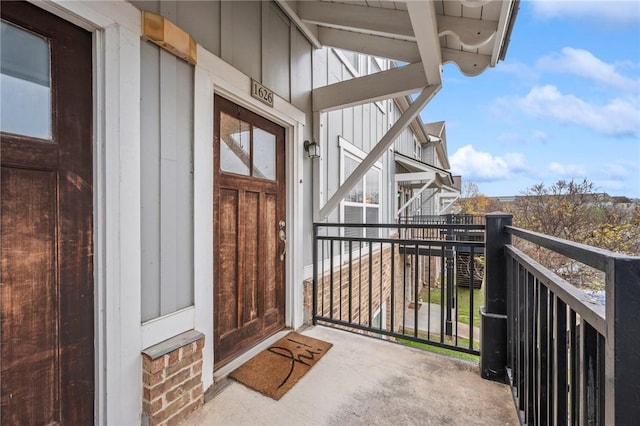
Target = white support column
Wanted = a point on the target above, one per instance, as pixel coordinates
(416, 195)
(317, 167)
(121, 343)
(380, 148)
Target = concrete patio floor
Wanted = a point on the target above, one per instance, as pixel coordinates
(365, 381)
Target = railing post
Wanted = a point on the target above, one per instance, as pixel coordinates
(622, 353)
(448, 251)
(314, 285)
(493, 316)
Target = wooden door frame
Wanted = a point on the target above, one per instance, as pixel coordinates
(116, 206)
(68, 152)
(245, 185)
(215, 76)
(225, 81)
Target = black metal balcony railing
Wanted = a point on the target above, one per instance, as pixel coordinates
(407, 282)
(568, 359)
(466, 219)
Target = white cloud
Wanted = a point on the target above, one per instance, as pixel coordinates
(617, 118)
(583, 63)
(483, 167)
(616, 12)
(568, 170)
(618, 170)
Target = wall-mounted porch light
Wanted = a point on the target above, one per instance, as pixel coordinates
(312, 148)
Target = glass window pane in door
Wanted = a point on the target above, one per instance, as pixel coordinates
(264, 154)
(25, 84)
(234, 145)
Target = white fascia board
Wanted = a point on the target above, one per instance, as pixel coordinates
(310, 31)
(378, 150)
(502, 30)
(372, 20)
(407, 161)
(370, 88)
(425, 27)
(450, 191)
(368, 44)
(410, 177)
(442, 155)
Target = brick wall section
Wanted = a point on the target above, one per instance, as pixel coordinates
(172, 379)
(380, 288)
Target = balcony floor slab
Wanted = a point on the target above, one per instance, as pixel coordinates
(365, 381)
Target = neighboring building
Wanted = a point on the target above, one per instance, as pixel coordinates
(157, 196)
(426, 187)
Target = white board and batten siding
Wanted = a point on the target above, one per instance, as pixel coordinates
(257, 39)
(362, 126)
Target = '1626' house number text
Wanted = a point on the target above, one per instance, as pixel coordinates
(261, 93)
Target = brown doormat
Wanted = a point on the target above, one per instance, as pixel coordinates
(276, 369)
(412, 305)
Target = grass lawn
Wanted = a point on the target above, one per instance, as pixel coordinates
(443, 351)
(462, 299)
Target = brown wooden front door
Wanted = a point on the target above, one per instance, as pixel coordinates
(46, 286)
(249, 216)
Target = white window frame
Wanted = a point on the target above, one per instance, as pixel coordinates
(347, 149)
(417, 149)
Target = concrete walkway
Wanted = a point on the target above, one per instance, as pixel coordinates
(364, 381)
(429, 316)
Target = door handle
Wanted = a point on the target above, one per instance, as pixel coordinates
(283, 238)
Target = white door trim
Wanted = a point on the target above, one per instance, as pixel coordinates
(213, 75)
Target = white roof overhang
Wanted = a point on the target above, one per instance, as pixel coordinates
(423, 35)
(473, 34)
(419, 172)
(421, 176)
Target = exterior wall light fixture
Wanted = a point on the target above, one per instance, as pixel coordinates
(312, 148)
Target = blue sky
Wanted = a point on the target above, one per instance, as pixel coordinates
(565, 104)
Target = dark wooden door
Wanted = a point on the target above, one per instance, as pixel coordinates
(46, 283)
(249, 213)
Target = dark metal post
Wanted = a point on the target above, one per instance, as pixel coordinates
(448, 252)
(493, 316)
(314, 281)
(622, 352)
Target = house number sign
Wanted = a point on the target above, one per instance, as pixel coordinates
(261, 93)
